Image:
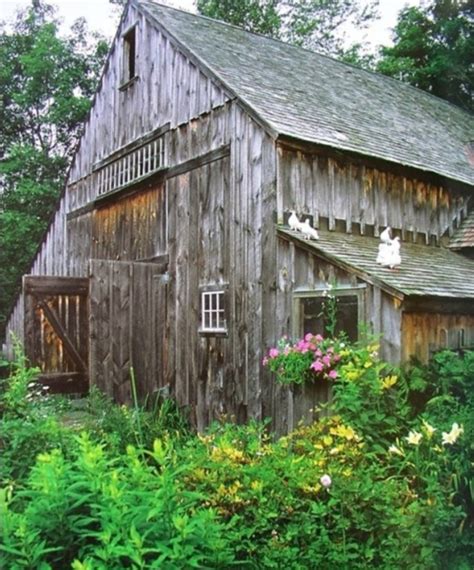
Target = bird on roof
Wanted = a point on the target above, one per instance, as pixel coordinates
(386, 235)
(383, 253)
(307, 231)
(391, 257)
(293, 221)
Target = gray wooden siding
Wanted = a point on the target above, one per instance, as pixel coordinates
(215, 237)
(358, 198)
(169, 89)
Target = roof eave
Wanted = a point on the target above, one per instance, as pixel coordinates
(291, 139)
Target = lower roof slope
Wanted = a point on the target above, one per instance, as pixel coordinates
(425, 270)
(311, 97)
(464, 235)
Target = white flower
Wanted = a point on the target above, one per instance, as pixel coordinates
(452, 436)
(396, 450)
(325, 481)
(414, 437)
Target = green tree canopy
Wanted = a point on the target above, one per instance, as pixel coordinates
(46, 83)
(314, 24)
(434, 50)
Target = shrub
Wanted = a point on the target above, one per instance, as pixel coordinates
(372, 396)
(101, 513)
(384, 482)
(314, 499)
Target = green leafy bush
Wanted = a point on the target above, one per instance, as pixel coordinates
(384, 482)
(99, 512)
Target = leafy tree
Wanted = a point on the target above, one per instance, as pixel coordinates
(261, 17)
(434, 50)
(46, 83)
(314, 24)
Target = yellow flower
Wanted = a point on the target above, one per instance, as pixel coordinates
(327, 440)
(229, 453)
(352, 374)
(452, 436)
(388, 382)
(414, 437)
(343, 431)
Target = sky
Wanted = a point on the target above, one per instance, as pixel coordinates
(103, 16)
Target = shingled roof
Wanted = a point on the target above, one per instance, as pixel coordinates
(315, 98)
(425, 270)
(464, 235)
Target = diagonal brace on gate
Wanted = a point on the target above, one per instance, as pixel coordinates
(61, 332)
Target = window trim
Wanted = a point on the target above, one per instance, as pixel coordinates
(298, 294)
(128, 75)
(217, 289)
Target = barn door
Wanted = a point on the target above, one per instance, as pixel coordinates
(57, 331)
(128, 321)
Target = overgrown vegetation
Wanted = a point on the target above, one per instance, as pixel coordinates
(385, 481)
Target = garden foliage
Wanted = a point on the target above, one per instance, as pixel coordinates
(385, 481)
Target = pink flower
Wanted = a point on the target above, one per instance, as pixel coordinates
(265, 361)
(308, 337)
(337, 357)
(317, 366)
(318, 338)
(273, 352)
(326, 360)
(332, 374)
(302, 346)
(318, 353)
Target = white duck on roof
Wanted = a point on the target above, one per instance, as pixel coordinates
(308, 231)
(389, 250)
(293, 221)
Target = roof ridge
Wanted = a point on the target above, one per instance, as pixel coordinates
(371, 72)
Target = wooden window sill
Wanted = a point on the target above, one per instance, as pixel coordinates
(128, 83)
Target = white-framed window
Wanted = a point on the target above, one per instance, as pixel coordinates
(213, 311)
(309, 314)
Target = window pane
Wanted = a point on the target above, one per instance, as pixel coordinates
(213, 312)
(312, 319)
(311, 316)
(347, 316)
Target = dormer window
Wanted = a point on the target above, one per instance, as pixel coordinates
(129, 55)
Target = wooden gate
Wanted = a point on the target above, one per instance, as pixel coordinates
(128, 327)
(57, 330)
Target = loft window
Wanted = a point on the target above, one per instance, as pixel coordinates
(129, 55)
(309, 314)
(213, 311)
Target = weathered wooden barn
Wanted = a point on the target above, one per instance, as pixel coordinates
(169, 250)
